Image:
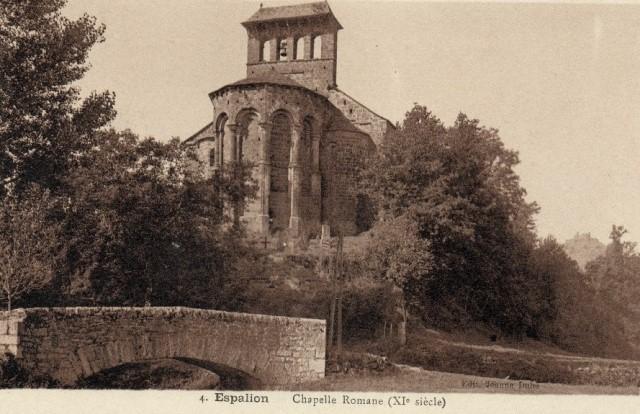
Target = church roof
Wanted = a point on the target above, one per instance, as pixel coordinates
(298, 11)
(205, 131)
(273, 78)
(341, 123)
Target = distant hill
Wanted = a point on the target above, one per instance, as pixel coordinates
(583, 248)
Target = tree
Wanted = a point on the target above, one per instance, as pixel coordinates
(560, 292)
(398, 257)
(459, 186)
(43, 122)
(616, 274)
(145, 225)
(29, 244)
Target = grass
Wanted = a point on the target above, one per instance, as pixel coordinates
(528, 360)
(418, 380)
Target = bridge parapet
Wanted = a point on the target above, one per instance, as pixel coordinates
(70, 343)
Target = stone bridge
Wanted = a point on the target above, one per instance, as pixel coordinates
(72, 343)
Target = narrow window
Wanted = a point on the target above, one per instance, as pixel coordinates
(264, 52)
(212, 157)
(317, 47)
(300, 48)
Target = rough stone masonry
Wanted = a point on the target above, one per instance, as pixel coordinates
(70, 343)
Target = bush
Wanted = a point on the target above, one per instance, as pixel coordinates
(364, 311)
(363, 307)
(13, 375)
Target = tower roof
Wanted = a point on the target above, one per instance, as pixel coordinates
(273, 78)
(298, 11)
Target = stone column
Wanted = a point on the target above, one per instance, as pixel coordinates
(294, 179)
(265, 175)
(273, 49)
(291, 48)
(308, 45)
(219, 145)
(253, 49)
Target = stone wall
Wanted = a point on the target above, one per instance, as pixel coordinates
(342, 154)
(70, 343)
(345, 131)
(318, 74)
(362, 117)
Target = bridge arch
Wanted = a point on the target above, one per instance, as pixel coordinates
(72, 343)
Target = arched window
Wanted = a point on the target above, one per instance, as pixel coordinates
(300, 48)
(317, 47)
(264, 51)
(212, 157)
(280, 151)
(220, 127)
(283, 49)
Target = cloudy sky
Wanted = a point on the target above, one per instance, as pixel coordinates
(560, 81)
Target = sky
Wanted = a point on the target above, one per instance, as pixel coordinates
(560, 81)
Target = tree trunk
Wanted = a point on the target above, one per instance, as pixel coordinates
(402, 333)
(332, 312)
(402, 326)
(340, 282)
(332, 318)
(8, 302)
(339, 327)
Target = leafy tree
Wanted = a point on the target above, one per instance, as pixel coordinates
(562, 293)
(459, 186)
(146, 226)
(398, 257)
(43, 122)
(616, 275)
(616, 270)
(29, 244)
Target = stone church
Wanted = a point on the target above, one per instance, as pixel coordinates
(288, 118)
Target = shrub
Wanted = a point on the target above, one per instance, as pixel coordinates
(13, 375)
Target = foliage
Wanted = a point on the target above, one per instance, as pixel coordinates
(564, 293)
(145, 226)
(614, 279)
(29, 244)
(458, 186)
(616, 274)
(438, 355)
(398, 256)
(259, 285)
(43, 122)
(13, 375)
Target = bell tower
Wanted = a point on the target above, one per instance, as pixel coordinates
(299, 41)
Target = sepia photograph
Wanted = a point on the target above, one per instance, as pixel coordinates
(338, 204)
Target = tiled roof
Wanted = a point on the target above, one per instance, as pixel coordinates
(273, 78)
(298, 11)
(341, 123)
(207, 130)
